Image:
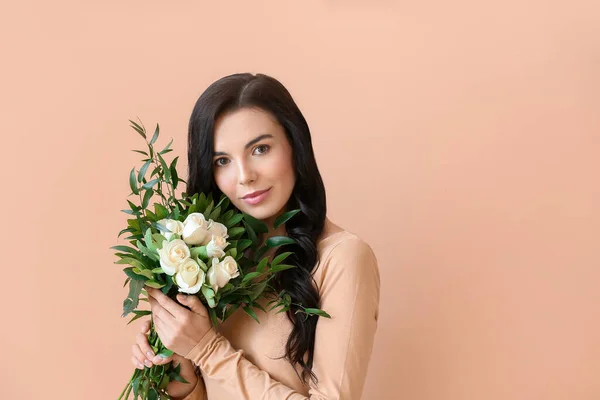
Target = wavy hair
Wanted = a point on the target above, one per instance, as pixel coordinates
(261, 91)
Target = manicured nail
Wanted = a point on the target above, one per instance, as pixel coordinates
(148, 363)
(158, 359)
(140, 366)
(150, 354)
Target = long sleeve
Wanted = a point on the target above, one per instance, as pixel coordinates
(349, 291)
(199, 392)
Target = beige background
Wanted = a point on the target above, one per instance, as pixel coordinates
(460, 139)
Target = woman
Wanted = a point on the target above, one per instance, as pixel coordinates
(249, 140)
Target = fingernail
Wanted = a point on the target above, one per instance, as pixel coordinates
(140, 366)
(158, 359)
(150, 354)
(148, 363)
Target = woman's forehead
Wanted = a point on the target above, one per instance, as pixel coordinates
(235, 129)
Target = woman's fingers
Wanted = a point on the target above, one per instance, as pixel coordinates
(144, 347)
(145, 327)
(159, 360)
(141, 359)
(136, 363)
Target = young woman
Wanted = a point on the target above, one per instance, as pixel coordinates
(249, 140)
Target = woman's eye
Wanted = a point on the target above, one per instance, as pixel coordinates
(264, 146)
(218, 163)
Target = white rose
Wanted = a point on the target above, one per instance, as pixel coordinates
(220, 273)
(218, 229)
(195, 229)
(189, 277)
(216, 247)
(173, 225)
(172, 254)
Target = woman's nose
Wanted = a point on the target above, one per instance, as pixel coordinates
(246, 174)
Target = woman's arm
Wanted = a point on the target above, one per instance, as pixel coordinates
(343, 344)
(199, 392)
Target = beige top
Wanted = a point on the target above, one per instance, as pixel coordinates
(239, 360)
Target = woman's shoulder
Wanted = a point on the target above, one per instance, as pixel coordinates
(337, 243)
(345, 257)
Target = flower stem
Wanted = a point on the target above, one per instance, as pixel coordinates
(124, 390)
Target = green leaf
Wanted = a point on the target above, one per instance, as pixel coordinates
(211, 303)
(132, 182)
(160, 227)
(141, 152)
(134, 207)
(215, 214)
(148, 240)
(224, 203)
(282, 267)
(154, 284)
(251, 313)
(233, 232)
(163, 151)
(131, 261)
(213, 317)
(208, 209)
(251, 276)
(161, 211)
(173, 169)
(139, 314)
(126, 249)
(151, 183)
(232, 308)
(318, 312)
(155, 136)
(133, 298)
(243, 244)
(257, 225)
(143, 170)
(163, 384)
(148, 253)
(282, 219)
(165, 353)
(207, 292)
(280, 258)
(262, 264)
(131, 230)
(139, 129)
(279, 241)
(199, 251)
(258, 290)
(152, 394)
(234, 220)
(165, 168)
(131, 274)
(251, 234)
(144, 272)
(147, 197)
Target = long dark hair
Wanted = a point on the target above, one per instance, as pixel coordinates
(261, 91)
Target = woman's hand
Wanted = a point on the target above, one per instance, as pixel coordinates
(178, 328)
(143, 355)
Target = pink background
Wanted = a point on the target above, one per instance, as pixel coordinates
(461, 139)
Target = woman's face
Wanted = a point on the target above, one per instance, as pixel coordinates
(252, 153)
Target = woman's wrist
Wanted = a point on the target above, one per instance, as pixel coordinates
(193, 385)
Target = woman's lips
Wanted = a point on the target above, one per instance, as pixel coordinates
(257, 199)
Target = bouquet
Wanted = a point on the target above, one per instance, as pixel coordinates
(197, 246)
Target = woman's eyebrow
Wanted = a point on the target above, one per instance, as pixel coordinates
(250, 143)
